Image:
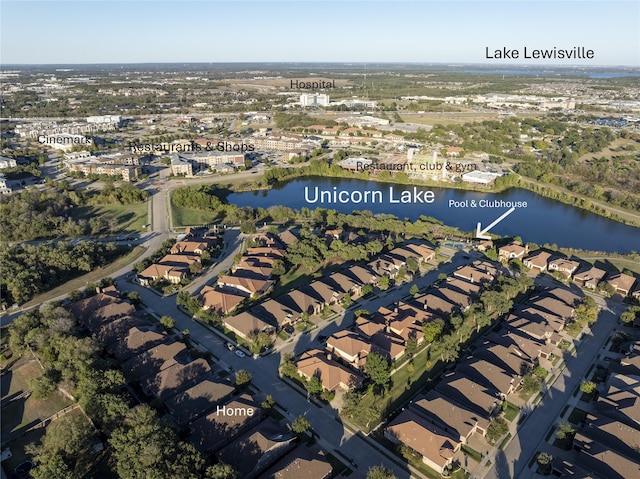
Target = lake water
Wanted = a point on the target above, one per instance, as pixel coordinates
(542, 221)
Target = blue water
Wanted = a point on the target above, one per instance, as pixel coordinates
(542, 221)
(599, 75)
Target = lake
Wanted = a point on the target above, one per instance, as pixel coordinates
(542, 221)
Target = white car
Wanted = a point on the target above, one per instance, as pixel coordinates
(239, 353)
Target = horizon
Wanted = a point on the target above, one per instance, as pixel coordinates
(438, 32)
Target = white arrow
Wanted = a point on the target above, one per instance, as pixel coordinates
(481, 233)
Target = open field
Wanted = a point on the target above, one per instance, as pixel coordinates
(130, 218)
(183, 217)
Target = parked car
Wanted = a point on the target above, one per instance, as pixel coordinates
(229, 346)
(239, 353)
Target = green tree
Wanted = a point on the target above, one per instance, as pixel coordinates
(496, 430)
(243, 378)
(565, 431)
(414, 289)
(383, 283)
(50, 465)
(588, 387)
(288, 367)
(300, 425)
(412, 264)
(314, 385)
(167, 322)
(378, 369)
(221, 471)
(380, 472)
(432, 330)
(530, 384)
(278, 268)
(366, 289)
(411, 346)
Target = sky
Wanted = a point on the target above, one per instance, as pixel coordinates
(156, 31)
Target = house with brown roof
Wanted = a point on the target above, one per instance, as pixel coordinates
(137, 340)
(385, 265)
(199, 399)
(455, 296)
(623, 283)
(272, 311)
(564, 266)
(343, 284)
(227, 420)
(368, 327)
(538, 260)
(253, 270)
(435, 446)
(473, 274)
(331, 374)
(604, 461)
(505, 358)
(512, 251)
(301, 462)
(589, 278)
(266, 252)
(423, 252)
(244, 286)
(470, 394)
(349, 347)
(190, 247)
(495, 379)
(107, 314)
(460, 421)
(173, 379)
(155, 359)
(388, 345)
(436, 304)
(553, 306)
(173, 274)
(303, 301)
(325, 293)
(113, 331)
(362, 275)
(219, 301)
(520, 343)
(614, 434)
(470, 289)
(287, 237)
(254, 450)
(246, 325)
(84, 308)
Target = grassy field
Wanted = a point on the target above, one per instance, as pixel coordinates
(511, 412)
(189, 217)
(131, 218)
(23, 413)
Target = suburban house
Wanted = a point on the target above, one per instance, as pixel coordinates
(194, 247)
(362, 275)
(469, 394)
(474, 274)
(389, 345)
(344, 283)
(325, 293)
(489, 375)
(520, 343)
(564, 266)
(173, 274)
(250, 453)
(349, 347)
(437, 304)
(211, 432)
(454, 418)
(219, 301)
(623, 283)
(273, 312)
(301, 462)
(368, 327)
(246, 325)
(198, 399)
(436, 446)
(332, 375)
(155, 360)
(302, 302)
(505, 358)
(173, 379)
(137, 340)
(512, 251)
(245, 286)
(589, 278)
(538, 260)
